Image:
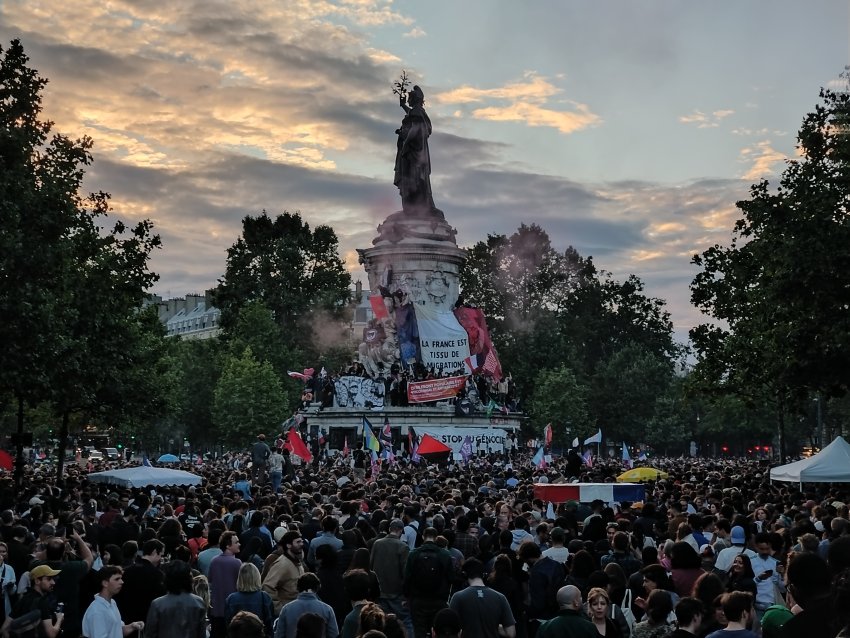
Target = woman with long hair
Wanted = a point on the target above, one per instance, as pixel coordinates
(741, 575)
(362, 560)
(598, 606)
(250, 597)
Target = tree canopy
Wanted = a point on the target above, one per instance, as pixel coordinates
(778, 294)
(72, 286)
(294, 270)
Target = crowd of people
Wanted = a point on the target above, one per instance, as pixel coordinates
(424, 550)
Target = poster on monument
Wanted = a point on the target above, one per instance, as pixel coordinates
(486, 439)
(434, 389)
(443, 342)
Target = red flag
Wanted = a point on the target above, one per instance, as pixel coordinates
(295, 444)
(345, 448)
(547, 431)
(379, 307)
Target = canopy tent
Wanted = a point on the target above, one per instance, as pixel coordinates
(830, 465)
(589, 492)
(143, 475)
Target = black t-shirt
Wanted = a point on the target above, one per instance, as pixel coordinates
(29, 601)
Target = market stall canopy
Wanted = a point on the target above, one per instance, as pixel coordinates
(830, 465)
(143, 476)
(639, 474)
(589, 492)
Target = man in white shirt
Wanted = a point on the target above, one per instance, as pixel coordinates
(557, 552)
(102, 619)
(767, 577)
(739, 546)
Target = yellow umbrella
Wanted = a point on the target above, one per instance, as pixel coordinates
(639, 474)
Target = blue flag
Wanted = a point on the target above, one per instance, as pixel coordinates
(627, 460)
(539, 459)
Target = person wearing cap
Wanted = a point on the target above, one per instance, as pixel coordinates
(570, 621)
(67, 589)
(738, 538)
(102, 618)
(42, 580)
(388, 560)
(484, 612)
(281, 581)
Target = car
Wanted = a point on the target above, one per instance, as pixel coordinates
(111, 454)
(95, 455)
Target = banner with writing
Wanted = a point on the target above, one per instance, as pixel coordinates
(486, 439)
(443, 342)
(434, 389)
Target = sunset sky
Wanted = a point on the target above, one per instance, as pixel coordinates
(627, 129)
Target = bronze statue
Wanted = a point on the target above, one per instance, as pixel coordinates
(413, 160)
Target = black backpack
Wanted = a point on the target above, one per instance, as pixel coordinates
(428, 573)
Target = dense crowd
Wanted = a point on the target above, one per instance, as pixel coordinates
(425, 550)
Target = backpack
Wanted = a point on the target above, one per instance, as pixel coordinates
(428, 570)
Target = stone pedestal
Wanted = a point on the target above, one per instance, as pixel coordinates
(417, 255)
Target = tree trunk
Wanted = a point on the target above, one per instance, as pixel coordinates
(63, 443)
(19, 445)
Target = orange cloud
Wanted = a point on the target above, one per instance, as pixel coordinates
(763, 157)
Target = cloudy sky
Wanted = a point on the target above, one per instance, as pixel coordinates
(626, 129)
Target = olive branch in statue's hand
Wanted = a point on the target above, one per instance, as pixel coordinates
(400, 85)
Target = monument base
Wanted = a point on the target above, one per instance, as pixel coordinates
(340, 424)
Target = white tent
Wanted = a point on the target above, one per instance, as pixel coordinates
(144, 475)
(830, 465)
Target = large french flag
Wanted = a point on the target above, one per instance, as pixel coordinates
(588, 492)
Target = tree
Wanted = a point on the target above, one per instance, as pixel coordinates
(624, 392)
(249, 400)
(71, 287)
(560, 399)
(513, 278)
(293, 270)
(200, 363)
(779, 293)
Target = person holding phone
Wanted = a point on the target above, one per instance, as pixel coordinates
(768, 580)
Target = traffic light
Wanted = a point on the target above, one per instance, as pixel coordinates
(120, 445)
(725, 448)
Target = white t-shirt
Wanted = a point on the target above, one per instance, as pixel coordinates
(727, 556)
(102, 619)
(560, 554)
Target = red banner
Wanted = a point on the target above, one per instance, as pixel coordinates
(434, 389)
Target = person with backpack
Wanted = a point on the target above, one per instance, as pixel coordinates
(545, 577)
(428, 575)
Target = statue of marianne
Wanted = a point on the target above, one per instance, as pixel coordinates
(413, 160)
